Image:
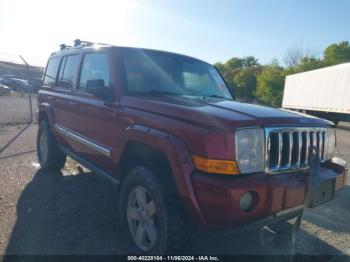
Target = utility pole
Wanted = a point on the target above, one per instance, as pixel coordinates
(30, 88)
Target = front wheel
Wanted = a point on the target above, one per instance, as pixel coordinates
(50, 157)
(150, 213)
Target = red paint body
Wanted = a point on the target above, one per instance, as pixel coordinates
(180, 128)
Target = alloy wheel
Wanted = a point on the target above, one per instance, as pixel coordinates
(141, 216)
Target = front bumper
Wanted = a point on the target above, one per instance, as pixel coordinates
(219, 197)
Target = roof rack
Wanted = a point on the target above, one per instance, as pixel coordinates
(64, 46)
(79, 44)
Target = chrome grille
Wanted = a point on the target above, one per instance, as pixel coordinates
(287, 148)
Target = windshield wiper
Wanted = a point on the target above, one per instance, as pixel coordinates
(217, 96)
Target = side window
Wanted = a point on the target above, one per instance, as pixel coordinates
(68, 70)
(95, 69)
(51, 72)
(63, 62)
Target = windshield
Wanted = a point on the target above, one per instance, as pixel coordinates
(152, 72)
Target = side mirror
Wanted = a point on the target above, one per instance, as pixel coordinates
(97, 88)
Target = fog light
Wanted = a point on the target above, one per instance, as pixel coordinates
(248, 201)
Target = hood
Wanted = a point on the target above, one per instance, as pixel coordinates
(219, 113)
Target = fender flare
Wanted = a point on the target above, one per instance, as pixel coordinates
(180, 161)
(47, 110)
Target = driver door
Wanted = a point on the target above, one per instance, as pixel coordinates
(95, 123)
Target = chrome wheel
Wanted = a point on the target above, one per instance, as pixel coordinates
(141, 218)
(43, 146)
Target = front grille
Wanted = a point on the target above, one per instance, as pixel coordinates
(287, 148)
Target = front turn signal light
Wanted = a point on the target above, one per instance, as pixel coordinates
(225, 167)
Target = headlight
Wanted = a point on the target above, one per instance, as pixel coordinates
(331, 143)
(250, 149)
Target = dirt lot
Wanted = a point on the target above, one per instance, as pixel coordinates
(42, 213)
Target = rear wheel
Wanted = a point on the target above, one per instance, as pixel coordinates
(150, 213)
(50, 157)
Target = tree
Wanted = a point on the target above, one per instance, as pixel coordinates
(220, 66)
(295, 54)
(240, 74)
(337, 53)
(270, 84)
(245, 83)
(229, 69)
(308, 63)
(250, 61)
(233, 63)
(250, 80)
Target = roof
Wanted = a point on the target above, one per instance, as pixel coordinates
(65, 49)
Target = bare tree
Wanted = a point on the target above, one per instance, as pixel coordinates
(296, 53)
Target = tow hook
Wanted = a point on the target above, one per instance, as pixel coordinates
(314, 178)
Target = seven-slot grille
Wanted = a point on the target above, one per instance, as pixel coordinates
(287, 148)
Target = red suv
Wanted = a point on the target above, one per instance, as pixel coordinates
(166, 128)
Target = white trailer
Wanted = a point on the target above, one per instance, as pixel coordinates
(323, 92)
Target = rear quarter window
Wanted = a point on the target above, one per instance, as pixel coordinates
(51, 72)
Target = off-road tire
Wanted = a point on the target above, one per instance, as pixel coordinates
(55, 158)
(170, 222)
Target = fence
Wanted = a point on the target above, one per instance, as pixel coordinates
(16, 113)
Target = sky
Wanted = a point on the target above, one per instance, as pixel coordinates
(213, 31)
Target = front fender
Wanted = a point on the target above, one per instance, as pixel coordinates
(179, 158)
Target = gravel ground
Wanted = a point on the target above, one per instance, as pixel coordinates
(43, 213)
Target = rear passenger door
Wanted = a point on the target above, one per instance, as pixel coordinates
(66, 80)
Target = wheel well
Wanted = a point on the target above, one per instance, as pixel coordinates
(139, 154)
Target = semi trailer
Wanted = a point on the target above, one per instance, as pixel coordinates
(322, 92)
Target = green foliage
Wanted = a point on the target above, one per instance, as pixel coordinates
(305, 64)
(250, 61)
(240, 74)
(245, 83)
(270, 85)
(309, 63)
(337, 53)
(252, 81)
(220, 67)
(233, 63)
